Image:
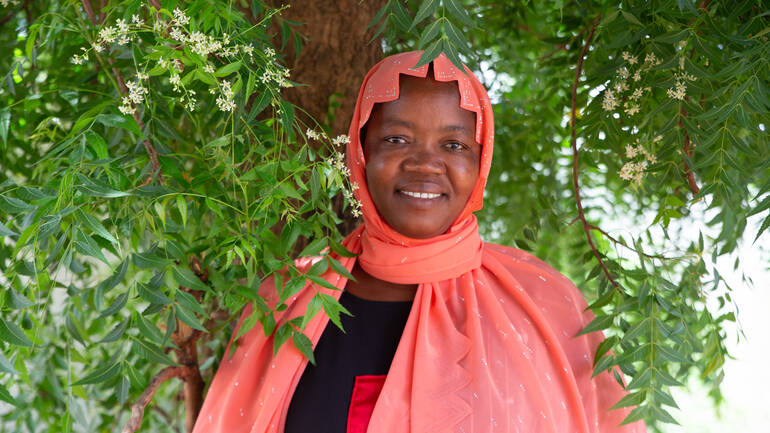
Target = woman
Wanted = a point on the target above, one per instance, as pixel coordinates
(452, 334)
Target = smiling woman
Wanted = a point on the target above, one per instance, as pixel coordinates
(422, 159)
(448, 333)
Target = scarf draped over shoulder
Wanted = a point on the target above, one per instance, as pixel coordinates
(491, 341)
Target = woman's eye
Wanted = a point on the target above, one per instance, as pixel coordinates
(454, 145)
(395, 140)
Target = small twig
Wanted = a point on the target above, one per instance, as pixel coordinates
(618, 242)
(573, 122)
(137, 409)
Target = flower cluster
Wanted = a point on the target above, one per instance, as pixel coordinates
(679, 90)
(634, 170)
(225, 99)
(616, 92)
(6, 3)
(136, 95)
(277, 75)
(80, 59)
(337, 162)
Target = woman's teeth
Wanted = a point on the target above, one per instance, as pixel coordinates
(420, 194)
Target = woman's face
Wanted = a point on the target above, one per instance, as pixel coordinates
(422, 159)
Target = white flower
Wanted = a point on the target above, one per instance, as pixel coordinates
(621, 86)
(180, 17)
(637, 75)
(630, 151)
(157, 26)
(340, 140)
(163, 63)
(632, 60)
(142, 76)
(609, 102)
(248, 49)
(678, 92)
(124, 39)
(637, 94)
(122, 25)
(623, 72)
(631, 109)
(136, 92)
(657, 138)
(97, 47)
(77, 60)
(269, 52)
(312, 134)
(176, 33)
(175, 80)
(208, 68)
(681, 62)
(135, 19)
(127, 109)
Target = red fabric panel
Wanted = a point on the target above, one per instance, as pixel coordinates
(365, 392)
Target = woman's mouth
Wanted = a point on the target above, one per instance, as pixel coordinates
(422, 195)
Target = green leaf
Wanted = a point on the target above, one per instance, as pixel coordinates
(605, 347)
(5, 231)
(5, 123)
(247, 324)
(6, 396)
(281, 335)
(149, 260)
(120, 121)
(228, 69)
(151, 294)
(12, 333)
(304, 345)
(13, 205)
(116, 306)
(599, 323)
(333, 308)
(86, 246)
(189, 302)
(123, 388)
(6, 366)
(95, 226)
(187, 278)
(181, 205)
(427, 8)
(148, 329)
(338, 268)
(116, 332)
(96, 188)
(16, 300)
(633, 399)
(153, 353)
(458, 11)
(430, 32)
(101, 374)
(189, 318)
(74, 328)
(313, 307)
(430, 54)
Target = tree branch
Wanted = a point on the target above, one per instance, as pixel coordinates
(573, 122)
(137, 409)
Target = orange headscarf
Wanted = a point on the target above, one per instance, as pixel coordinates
(490, 344)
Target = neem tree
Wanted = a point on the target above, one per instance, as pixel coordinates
(156, 166)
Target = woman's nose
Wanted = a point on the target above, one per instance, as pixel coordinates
(424, 160)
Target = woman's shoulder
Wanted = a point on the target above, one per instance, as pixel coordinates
(539, 279)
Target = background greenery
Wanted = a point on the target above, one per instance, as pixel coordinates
(152, 173)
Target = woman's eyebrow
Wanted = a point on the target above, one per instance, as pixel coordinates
(408, 124)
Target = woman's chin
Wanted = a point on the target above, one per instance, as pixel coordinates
(420, 231)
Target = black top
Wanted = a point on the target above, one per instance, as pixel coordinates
(322, 398)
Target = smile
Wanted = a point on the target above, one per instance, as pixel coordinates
(424, 195)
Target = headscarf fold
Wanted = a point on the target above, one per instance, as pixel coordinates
(491, 341)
